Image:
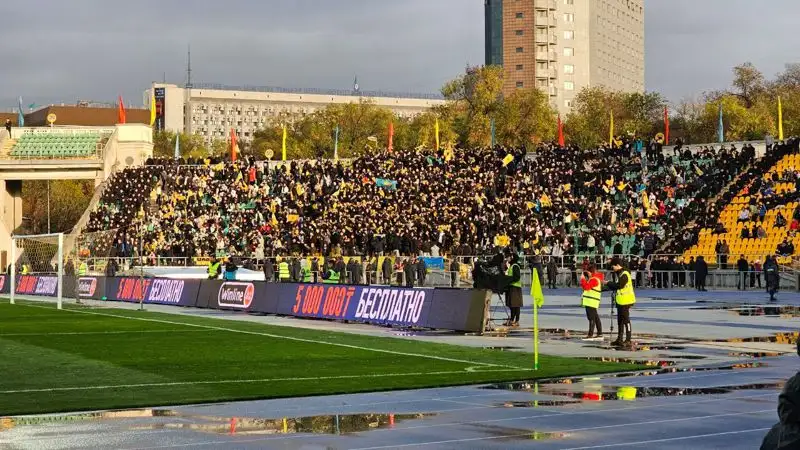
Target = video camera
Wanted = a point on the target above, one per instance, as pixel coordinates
(489, 275)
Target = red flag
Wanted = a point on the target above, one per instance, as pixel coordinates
(560, 132)
(666, 126)
(391, 136)
(121, 116)
(234, 146)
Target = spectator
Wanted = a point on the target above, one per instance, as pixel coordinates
(269, 271)
(742, 267)
(757, 268)
(786, 433)
(8, 127)
(771, 276)
(422, 271)
(780, 221)
(701, 271)
(744, 215)
(552, 273)
(785, 248)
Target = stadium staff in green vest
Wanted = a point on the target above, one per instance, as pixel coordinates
(592, 284)
(83, 269)
(514, 291)
(331, 277)
(213, 268)
(284, 276)
(625, 299)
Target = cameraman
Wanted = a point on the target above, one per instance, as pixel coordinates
(514, 291)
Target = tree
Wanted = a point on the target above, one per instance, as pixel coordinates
(525, 117)
(473, 99)
(688, 120)
(191, 145)
(740, 123)
(588, 123)
(749, 83)
(68, 200)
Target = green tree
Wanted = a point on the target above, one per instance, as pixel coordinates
(473, 100)
(525, 117)
(68, 200)
(191, 145)
(748, 82)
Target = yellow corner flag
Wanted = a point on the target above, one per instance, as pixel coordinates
(152, 109)
(283, 145)
(611, 131)
(780, 120)
(437, 133)
(538, 302)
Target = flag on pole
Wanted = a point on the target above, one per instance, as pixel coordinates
(177, 145)
(491, 124)
(336, 143)
(234, 146)
(666, 126)
(152, 109)
(283, 144)
(355, 85)
(121, 116)
(538, 302)
(436, 128)
(780, 120)
(20, 116)
(391, 136)
(720, 126)
(611, 131)
(560, 132)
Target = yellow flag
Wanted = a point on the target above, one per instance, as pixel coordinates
(536, 289)
(437, 133)
(283, 145)
(780, 120)
(507, 160)
(152, 109)
(611, 131)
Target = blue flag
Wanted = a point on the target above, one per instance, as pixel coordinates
(491, 124)
(720, 126)
(20, 117)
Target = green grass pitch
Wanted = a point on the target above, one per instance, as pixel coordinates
(85, 358)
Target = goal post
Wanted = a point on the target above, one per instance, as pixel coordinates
(39, 262)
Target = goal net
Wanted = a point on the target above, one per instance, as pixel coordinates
(93, 254)
(37, 266)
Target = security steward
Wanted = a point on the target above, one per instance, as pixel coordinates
(514, 291)
(306, 275)
(83, 269)
(213, 269)
(283, 272)
(331, 277)
(625, 299)
(592, 283)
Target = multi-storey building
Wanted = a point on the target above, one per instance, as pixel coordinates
(561, 46)
(212, 110)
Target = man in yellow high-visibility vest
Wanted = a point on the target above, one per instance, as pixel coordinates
(625, 299)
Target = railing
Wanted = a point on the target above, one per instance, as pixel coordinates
(564, 276)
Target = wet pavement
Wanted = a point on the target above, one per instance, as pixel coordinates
(714, 377)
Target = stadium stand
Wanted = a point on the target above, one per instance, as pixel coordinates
(554, 201)
(760, 213)
(58, 145)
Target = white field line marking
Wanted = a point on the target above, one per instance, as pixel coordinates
(394, 430)
(573, 430)
(682, 438)
(259, 380)
(80, 333)
(275, 336)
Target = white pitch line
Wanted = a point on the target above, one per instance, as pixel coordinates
(80, 333)
(682, 438)
(573, 430)
(259, 380)
(275, 336)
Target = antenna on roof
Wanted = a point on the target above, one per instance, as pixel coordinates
(189, 68)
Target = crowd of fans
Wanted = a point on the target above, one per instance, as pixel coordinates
(552, 201)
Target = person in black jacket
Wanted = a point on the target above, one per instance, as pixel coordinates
(409, 271)
(386, 268)
(315, 270)
(422, 271)
(772, 276)
(700, 273)
(552, 273)
(742, 267)
(623, 310)
(786, 433)
(455, 269)
(269, 271)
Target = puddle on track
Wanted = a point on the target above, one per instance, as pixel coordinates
(323, 424)
(786, 311)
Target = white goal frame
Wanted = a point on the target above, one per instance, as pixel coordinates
(58, 257)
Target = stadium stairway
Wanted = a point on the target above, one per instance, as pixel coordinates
(752, 248)
(8, 144)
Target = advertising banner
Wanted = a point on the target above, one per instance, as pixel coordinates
(85, 287)
(236, 296)
(454, 309)
(37, 285)
(163, 291)
(5, 285)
